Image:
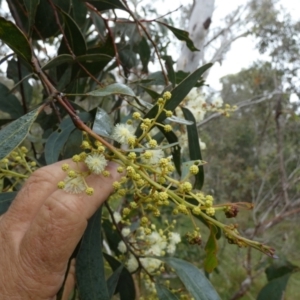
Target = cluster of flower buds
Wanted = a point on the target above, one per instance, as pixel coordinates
(148, 188)
(17, 167)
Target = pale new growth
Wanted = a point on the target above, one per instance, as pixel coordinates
(122, 247)
(150, 264)
(152, 157)
(202, 145)
(122, 133)
(156, 244)
(117, 217)
(74, 185)
(218, 102)
(132, 263)
(194, 102)
(171, 248)
(150, 286)
(174, 237)
(96, 163)
(125, 231)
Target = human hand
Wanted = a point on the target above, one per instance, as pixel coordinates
(41, 229)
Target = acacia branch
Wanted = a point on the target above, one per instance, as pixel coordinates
(240, 105)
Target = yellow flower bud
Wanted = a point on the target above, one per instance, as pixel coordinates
(76, 158)
(136, 115)
(105, 173)
(72, 174)
(85, 145)
(196, 210)
(120, 169)
(65, 167)
(186, 187)
(131, 155)
(116, 185)
(89, 191)
(167, 95)
(144, 221)
(168, 128)
(169, 113)
(152, 143)
(194, 169)
(61, 185)
(126, 211)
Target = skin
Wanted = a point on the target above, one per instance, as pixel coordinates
(41, 229)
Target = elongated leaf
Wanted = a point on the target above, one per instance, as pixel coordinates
(73, 143)
(211, 249)
(5, 201)
(128, 58)
(182, 35)
(93, 63)
(125, 285)
(21, 81)
(107, 4)
(278, 275)
(20, 74)
(194, 280)
(73, 35)
(145, 53)
(103, 124)
(9, 103)
(280, 268)
(98, 22)
(6, 57)
(11, 35)
(274, 289)
(181, 90)
(13, 134)
(163, 293)
(194, 147)
(58, 60)
(176, 150)
(92, 58)
(115, 88)
(45, 25)
(31, 7)
(169, 66)
(113, 280)
(153, 94)
(178, 94)
(57, 140)
(79, 12)
(90, 272)
(181, 75)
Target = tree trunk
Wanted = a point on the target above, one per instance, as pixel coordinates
(198, 28)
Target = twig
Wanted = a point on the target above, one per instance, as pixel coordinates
(23, 98)
(283, 176)
(279, 218)
(239, 106)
